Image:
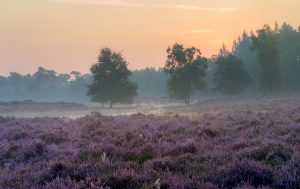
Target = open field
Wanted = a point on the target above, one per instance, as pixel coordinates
(210, 144)
(31, 109)
(151, 106)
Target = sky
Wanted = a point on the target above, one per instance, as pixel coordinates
(67, 35)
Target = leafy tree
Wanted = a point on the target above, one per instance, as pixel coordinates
(186, 68)
(242, 49)
(289, 51)
(265, 45)
(231, 76)
(110, 79)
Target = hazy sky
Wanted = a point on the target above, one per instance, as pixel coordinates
(66, 35)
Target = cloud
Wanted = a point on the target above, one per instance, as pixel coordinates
(200, 31)
(193, 7)
(98, 2)
(122, 3)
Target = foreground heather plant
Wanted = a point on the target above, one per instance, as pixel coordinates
(242, 148)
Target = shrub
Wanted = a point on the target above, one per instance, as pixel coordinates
(210, 133)
(16, 135)
(289, 176)
(89, 155)
(183, 148)
(36, 150)
(20, 153)
(123, 178)
(273, 155)
(54, 138)
(63, 171)
(188, 164)
(244, 171)
(146, 153)
(5, 119)
(158, 164)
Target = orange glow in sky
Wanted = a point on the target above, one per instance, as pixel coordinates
(66, 35)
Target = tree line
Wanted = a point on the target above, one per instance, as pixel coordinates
(45, 85)
(268, 58)
(262, 62)
(48, 85)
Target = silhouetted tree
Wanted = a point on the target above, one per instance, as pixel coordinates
(186, 68)
(44, 85)
(78, 86)
(289, 42)
(76, 74)
(151, 82)
(265, 44)
(230, 76)
(242, 50)
(110, 79)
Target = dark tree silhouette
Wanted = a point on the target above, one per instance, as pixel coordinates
(289, 44)
(265, 44)
(266, 72)
(230, 76)
(111, 79)
(151, 82)
(186, 68)
(242, 50)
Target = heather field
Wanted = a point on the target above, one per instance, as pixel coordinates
(211, 144)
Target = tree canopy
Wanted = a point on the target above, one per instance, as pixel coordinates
(289, 48)
(265, 44)
(111, 79)
(230, 76)
(186, 68)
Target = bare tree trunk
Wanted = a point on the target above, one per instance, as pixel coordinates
(111, 104)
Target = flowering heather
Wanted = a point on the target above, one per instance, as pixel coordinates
(246, 146)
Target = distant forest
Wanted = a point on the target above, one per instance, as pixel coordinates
(48, 85)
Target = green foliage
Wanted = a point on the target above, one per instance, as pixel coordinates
(289, 46)
(241, 48)
(272, 154)
(111, 79)
(230, 76)
(186, 68)
(54, 138)
(266, 46)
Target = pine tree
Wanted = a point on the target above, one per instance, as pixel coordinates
(230, 76)
(265, 44)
